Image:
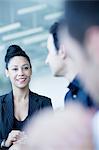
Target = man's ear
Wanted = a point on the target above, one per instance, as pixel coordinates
(7, 73)
(62, 51)
(92, 41)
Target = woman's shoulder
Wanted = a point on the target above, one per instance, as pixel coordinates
(39, 95)
(2, 97)
(41, 98)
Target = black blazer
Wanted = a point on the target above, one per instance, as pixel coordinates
(36, 103)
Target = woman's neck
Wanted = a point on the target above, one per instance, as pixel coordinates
(20, 94)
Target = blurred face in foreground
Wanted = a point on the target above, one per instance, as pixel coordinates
(86, 58)
(60, 130)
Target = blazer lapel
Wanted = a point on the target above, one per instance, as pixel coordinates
(34, 103)
(9, 110)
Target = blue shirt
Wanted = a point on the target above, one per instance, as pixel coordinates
(77, 93)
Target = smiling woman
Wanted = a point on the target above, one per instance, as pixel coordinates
(17, 107)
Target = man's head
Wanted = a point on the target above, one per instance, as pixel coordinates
(57, 58)
(81, 16)
(82, 40)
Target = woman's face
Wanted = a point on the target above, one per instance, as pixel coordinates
(19, 72)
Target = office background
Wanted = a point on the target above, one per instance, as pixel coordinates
(26, 23)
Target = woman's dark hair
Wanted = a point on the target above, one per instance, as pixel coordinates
(54, 31)
(15, 50)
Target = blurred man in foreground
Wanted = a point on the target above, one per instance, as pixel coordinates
(81, 35)
(69, 129)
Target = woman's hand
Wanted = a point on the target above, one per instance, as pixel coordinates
(13, 137)
(22, 142)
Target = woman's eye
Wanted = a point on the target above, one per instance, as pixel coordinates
(26, 68)
(15, 69)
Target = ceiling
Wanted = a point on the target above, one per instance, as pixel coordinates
(26, 23)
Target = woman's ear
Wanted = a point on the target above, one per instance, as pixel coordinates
(7, 73)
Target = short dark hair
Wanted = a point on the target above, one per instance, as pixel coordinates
(54, 31)
(15, 50)
(80, 15)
